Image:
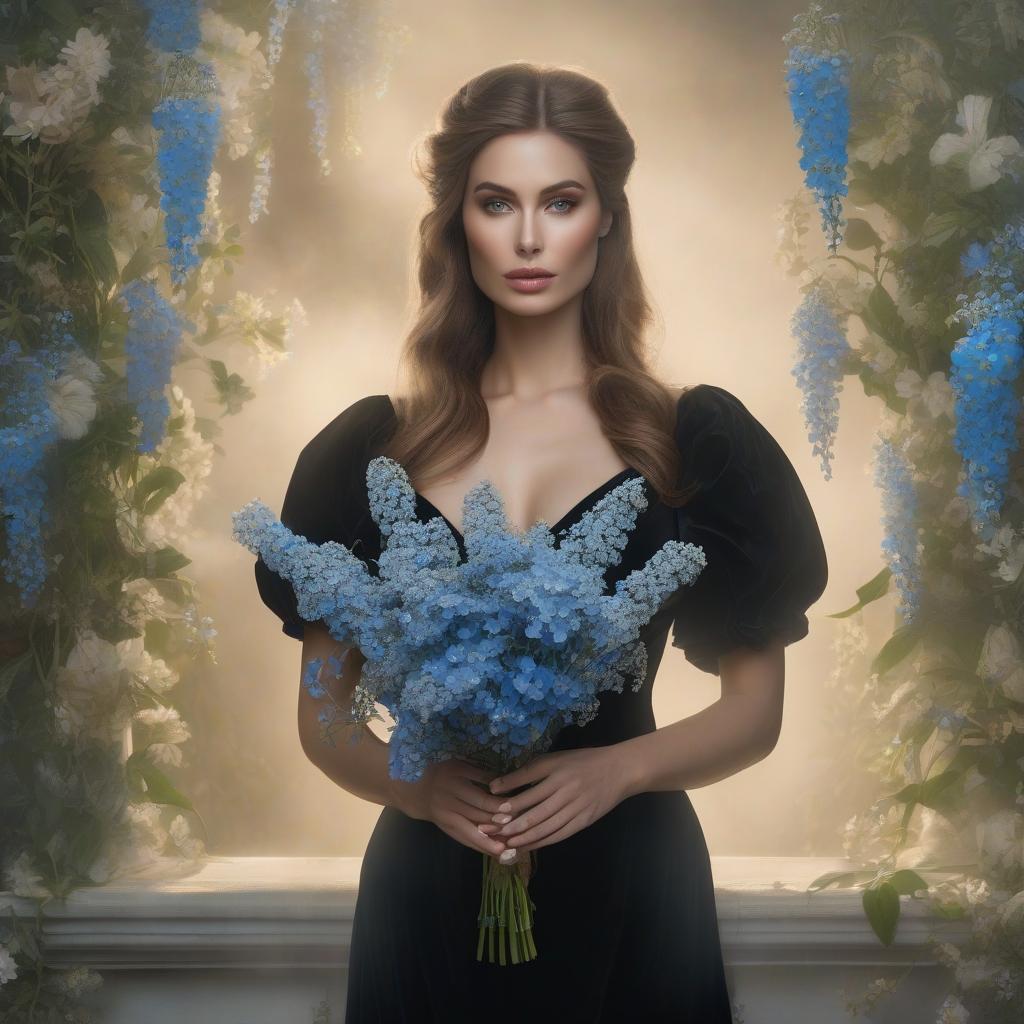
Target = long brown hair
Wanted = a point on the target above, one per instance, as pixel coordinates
(442, 421)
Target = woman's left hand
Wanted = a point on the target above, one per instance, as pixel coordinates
(573, 788)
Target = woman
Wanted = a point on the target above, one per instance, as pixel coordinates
(543, 387)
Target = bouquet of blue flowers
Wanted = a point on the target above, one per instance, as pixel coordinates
(484, 659)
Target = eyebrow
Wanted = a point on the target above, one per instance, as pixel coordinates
(568, 183)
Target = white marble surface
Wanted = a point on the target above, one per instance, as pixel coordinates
(190, 944)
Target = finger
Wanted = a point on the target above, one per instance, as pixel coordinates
(543, 829)
(535, 815)
(532, 772)
(483, 801)
(467, 833)
(530, 797)
(467, 810)
(568, 829)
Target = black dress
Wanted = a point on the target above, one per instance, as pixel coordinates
(625, 921)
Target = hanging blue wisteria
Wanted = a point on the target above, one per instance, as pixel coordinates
(895, 479)
(188, 124)
(151, 349)
(985, 366)
(822, 351)
(173, 27)
(29, 427)
(818, 89)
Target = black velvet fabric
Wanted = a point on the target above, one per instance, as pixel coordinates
(625, 920)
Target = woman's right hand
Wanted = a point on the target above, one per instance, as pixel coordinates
(448, 795)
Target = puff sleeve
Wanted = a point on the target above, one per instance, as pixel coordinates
(766, 562)
(326, 500)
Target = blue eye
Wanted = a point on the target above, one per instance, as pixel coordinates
(560, 199)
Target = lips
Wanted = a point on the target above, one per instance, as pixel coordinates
(529, 272)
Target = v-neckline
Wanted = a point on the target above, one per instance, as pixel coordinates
(597, 492)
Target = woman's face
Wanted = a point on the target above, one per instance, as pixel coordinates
(514, 217)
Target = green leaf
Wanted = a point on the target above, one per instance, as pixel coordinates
(169, 560)
(160, 564)
(140, 263)
(155, 488)
(10, 669)
(895, 649)
(934, 790)
(860, 235)
(159, 788)
(906, 882)
(881, 385)
(868, 592)
(96, 253)
(62, 12)
(881, 316)
(930, 793)
(840, 879)
(938, 227)
(882, 907)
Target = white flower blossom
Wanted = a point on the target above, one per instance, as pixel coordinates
(182, 838)
(1000, 839)
(91, 691)
(73, 403)
(52, 103)
(137, 661)
(8, 968)
(22, 879)
(952, 1011)
(1000, 661)
(983, 157)
(933, 396)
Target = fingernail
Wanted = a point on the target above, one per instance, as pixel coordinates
(485, 829)
(506, 806)
(501, 819)
(508, 856)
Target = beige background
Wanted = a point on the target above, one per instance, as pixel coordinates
(701, 87)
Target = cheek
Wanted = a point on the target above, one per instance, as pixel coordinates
(484, 241)
(577, 247)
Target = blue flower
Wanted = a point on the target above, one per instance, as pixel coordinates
(484, 659)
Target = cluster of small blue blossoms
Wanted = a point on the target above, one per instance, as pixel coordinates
(819, 98)
(895, 479)
(188, 121)
(29, 428)
(985, 366)
(821, 362)
(173, 26)
(189, 129)
(483, 659)
(151, 347)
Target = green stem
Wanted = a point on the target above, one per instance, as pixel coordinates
(505, 914)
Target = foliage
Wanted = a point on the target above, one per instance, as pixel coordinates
(932, 244)
(112, 256)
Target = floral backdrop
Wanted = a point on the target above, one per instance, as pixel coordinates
(117, 119)
(116, 265)
(910, 120)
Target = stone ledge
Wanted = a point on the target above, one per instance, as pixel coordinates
(296, 912)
